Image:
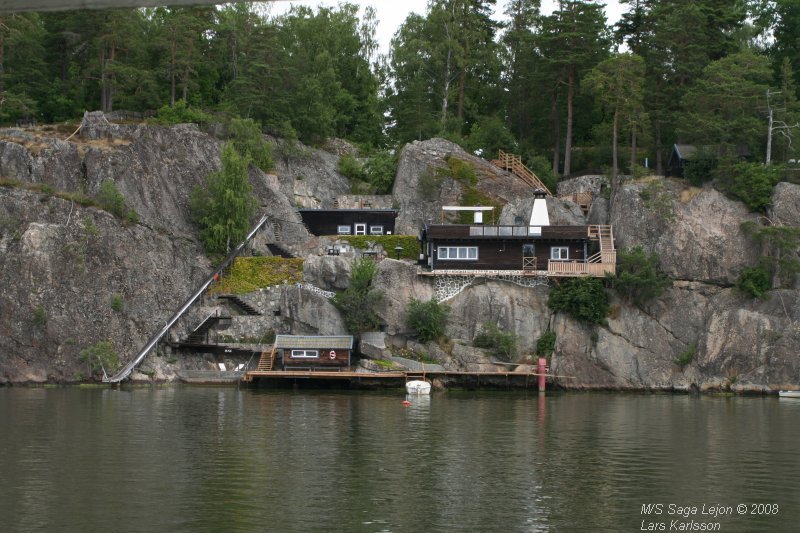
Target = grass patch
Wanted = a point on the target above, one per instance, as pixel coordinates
(409, 243)
(248, 274)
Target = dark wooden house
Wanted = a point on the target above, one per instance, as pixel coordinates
(683, 154)
(533, 249)
(678, 157)
(349, 221)
(314, 352)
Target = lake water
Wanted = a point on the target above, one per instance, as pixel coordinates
(224, 459)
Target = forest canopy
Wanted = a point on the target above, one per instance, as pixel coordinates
(565, 87)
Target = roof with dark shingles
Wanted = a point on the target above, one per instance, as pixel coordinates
(315, 342)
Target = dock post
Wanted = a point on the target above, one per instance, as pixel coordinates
(541, 370)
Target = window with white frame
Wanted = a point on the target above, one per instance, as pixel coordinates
(301, 354)
(343, 230)
(559, 253)
(376, 230)
(459, 253)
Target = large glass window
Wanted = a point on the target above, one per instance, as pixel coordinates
(300, 354)
(343, 230)
(459, 253)
(376, 230)
(559, 253)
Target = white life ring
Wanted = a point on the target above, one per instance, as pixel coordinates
(333, 354)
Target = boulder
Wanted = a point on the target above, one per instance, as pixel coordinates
(328, 272)
(308, 313)
(373, 345)
(399, 282)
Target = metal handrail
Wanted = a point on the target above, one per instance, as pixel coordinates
(127, 369)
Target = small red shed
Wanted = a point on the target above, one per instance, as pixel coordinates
(314, 352)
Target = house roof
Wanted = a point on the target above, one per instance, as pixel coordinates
(684, 151)
(394, 212)
(315, 342)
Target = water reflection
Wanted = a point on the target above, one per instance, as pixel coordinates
(195, 459)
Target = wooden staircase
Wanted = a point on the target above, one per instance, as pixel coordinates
(583, 199)
(200, 334)
(607, 254)
(513, 163)
(267, 361)
(245, 307)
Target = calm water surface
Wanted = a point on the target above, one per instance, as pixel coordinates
(222, 459)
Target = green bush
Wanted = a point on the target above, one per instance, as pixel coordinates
(543, 170)
(503, 344)
(751, 183)
(358, 302)
(638, 279)
(687, 356)
(223, 208)
(249, 141)
(779, 250)
(427, 319)
(584, 299)
(100, 356)
(110, 199)
(380, 171)
(351, 168)
(700, 168)
(180, 113)
(546, 343)
(754, 282)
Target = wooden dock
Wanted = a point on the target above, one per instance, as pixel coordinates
(516, 379)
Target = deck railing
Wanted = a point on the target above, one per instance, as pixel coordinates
(573, 268)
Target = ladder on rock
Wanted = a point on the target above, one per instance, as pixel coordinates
(513, 163)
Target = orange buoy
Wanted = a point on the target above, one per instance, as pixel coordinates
(406, 403)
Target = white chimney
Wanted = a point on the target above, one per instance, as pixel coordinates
(539, 216)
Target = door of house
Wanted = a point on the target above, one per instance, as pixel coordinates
(528, 256)
(361, 228)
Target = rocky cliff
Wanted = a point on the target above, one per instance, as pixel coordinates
(74, 276)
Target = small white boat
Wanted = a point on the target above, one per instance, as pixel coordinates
(418, 387)
(789, 393)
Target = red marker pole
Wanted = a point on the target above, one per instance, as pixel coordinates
(541, 369)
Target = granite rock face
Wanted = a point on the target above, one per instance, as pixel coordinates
(696, 233)
(75, 276)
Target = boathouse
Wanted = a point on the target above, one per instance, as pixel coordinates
(349, 221)
(535, 248)
(313, 352)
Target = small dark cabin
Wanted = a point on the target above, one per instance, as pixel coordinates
(683, 154)
(349, 221)
(314, 352)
